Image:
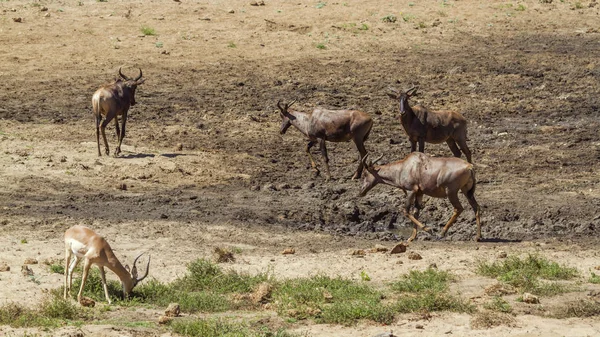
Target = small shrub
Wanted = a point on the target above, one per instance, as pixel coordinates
(498, 304)
(419, 281)
(594, 278)
(520, 8)
(321, 4)
(488, 319)
(582, 308)
(321, 46)
(231, 45)
(57, 269)
(148, 31)
(389, 18)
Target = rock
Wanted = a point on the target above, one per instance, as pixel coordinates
(47, 15)
(283, 186)
(379, 249)
(253, 3)
(255, 188)
(597, 267)
(399, 248)
(87, 302)
(269, 187)
(43, 9)
(327, 296)
(308, 186)
(419, 326)
(433, 266)
(231, 11)
(26, 271)
(122, 187)
(30, 260)
(288, 251)
(359, 252)
(173, 310)
(178, 147)
(530, 298)
(502, 254)
(414, 256)
(262, 293)
(17, 19)
(4, 267)
(162, 320)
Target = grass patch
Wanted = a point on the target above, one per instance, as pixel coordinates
(524, 274)
(148, 31)
(330, 300)
(221, 328)
(53, 312)
(488, 319)
(321, 46)
(428, 291)
(57, 269)
(582, 308)
(595, 279)
(498, 304)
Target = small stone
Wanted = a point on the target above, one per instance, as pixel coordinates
(47, 15)
(62, 159)
(262, 293)
(178, 147)
(283, 186)
(4, 267)
(502, 254)
(43, 9)
(30, 260)
(419, 326)
(253, 3)
(308, 186)
(433, 266)
(173, 310)
(530, 298)
(399, 248)
(327, 296)
(399, 262)
(379, 249)
(87, 302)
(162, 320)
(288, 251)
(255, 188)
(269, 187)
(17, 19)
(414, 256)
(164, 216)
(231, 11)
(597, 267)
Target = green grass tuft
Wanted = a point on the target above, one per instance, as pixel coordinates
(524, 274)
(498, 304)
(148, 31)
(428, 290)
(330, 300)
(595, 279)
(221, 328)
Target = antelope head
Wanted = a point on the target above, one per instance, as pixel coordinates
(286, 117)
(134, 275)
(402, 96)
(371, 176)
(131, 84)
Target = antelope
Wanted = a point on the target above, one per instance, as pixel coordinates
(419, 174)
(422, 125)
(86, 244)
(113, 100)
(323, 125)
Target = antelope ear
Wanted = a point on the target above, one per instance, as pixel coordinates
(127, 268)
(134, 272)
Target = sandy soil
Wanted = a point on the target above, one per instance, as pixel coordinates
(203, 164)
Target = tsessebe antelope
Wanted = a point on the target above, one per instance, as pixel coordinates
(423, 125)
(419, 174)
(329, 125)
(86, 244)
(113, 100)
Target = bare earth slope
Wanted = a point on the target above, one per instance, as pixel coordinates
(204, 165)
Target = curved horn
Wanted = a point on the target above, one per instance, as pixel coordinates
(411, 90)
(378, 159)
(279, 105)
(138, 78)
(291, 103)
(147, 267)
(394, 90)
(123, 76)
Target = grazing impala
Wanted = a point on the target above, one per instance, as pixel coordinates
(419, 174)
(423, 125)
(86, 244)
(113, 100)
(329, 125)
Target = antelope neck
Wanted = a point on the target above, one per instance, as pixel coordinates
(301, 121)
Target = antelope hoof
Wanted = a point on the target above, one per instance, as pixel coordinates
(107, 152)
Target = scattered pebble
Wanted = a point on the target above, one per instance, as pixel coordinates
(502, 254)
(399, 248)
(4, 267)
(414, 256)
(26, 271)
(288, 251)
(17, 19)
(379, 249)
(30, 260)
(530, 298)
(359, 252)
(44, 9)
(173, 310)
(164, 320)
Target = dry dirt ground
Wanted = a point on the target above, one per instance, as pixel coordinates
(204, 165)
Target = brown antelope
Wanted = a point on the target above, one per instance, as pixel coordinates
(422, 125)
(113, 100)
(323, 125)
(85, 244)
(419, 174)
